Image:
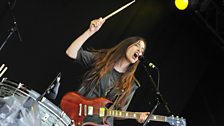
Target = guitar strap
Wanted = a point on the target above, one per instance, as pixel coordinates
(118, 98)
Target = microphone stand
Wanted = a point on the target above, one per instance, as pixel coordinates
(11, 31)
(47, 91)
(159, 97)
(14, 20)
(14, 27)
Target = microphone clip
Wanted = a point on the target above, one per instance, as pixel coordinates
(52, 89)
(147, 62)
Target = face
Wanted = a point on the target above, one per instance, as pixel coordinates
(134, 51)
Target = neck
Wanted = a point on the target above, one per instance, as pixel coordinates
(121, 66)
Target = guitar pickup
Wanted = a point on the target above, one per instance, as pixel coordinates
(90, 110)
(80, 109)
(102, 112)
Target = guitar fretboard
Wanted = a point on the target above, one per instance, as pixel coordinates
(132, 115)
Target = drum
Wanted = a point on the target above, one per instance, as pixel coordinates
(50, 114)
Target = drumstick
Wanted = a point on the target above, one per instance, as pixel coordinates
(118, 10)
(3, 71)
(2, 67)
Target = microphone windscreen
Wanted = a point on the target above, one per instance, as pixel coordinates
(141, 58)
(54, 91)
(51, 95)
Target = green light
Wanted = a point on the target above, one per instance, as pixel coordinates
(181, 4)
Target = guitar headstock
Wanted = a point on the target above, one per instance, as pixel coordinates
(176, 121)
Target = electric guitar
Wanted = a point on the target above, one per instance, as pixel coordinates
(78, 107)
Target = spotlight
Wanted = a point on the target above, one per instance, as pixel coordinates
(192, 5)
(181, 4)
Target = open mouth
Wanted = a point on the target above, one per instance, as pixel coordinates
(135, 56)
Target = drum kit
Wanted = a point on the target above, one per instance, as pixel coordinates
(22, 106)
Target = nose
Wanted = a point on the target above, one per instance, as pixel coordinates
(140, 51)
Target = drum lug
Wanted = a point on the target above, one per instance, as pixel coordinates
(4, 79)
(45, 117)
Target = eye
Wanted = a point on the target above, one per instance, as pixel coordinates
(137, 44)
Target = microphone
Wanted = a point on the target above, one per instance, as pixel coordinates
(53, 92)
(146, 61)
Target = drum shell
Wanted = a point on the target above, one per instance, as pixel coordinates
(50, 114)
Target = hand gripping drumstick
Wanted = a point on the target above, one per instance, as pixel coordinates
(118, 10)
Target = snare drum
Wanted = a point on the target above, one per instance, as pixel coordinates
(50, 114)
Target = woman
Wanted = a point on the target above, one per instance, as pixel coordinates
(111, 71)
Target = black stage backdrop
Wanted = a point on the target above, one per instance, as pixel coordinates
(187, 54)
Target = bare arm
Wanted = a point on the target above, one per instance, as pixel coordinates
(73, 49)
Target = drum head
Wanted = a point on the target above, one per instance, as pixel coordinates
(19, 104)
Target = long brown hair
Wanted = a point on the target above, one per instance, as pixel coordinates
(105, 61)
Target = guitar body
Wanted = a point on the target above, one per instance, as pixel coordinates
(78, 108)
(75, 106)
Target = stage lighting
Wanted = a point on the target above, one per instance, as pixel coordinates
(191, 5)
(181, 4)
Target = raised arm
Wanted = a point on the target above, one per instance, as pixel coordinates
(73, 49)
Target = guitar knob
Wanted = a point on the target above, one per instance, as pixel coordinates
(72, 123)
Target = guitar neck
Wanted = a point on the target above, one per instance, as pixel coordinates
(132, 115)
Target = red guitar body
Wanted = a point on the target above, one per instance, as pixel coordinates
(78, 108)
(73, 105)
